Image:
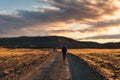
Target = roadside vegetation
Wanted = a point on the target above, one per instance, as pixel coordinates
(17, 62)
(105, 61)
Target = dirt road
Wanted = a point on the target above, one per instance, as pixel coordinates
(56, 69)
(52, 69)
(81, 71)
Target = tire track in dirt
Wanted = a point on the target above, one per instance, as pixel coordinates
(81, 71)
(53, 69)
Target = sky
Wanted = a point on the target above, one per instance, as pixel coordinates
(83, 20)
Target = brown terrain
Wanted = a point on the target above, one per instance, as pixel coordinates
(35, 64)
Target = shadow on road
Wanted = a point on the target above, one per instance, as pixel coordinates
(80, 70)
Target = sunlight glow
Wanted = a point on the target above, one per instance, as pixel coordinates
(112, 17)
(114, 30)
(77, 26)
(117, 3)
(102, 40)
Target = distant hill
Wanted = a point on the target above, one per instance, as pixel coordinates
(51, 42)
(111, 45)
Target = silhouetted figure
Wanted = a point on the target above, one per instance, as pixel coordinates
(64, 52)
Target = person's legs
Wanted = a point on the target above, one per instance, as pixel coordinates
(64, 56)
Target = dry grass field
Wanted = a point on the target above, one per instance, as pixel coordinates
(105, 61)
(16, 62)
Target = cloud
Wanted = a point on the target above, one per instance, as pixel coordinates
(10, 23)
(44, 8)
(115, 36)
(54, 18)
(101, 26)
(105, 24)
(70, 10)
(61, 31)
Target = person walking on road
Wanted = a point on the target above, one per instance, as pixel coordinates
(64, 52)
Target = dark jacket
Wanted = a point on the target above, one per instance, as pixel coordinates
(64, 49)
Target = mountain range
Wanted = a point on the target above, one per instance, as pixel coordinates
(52, 42)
